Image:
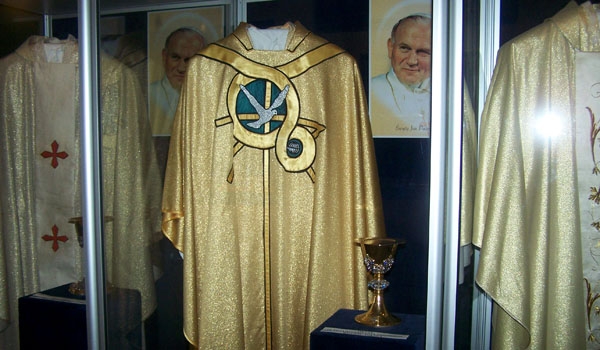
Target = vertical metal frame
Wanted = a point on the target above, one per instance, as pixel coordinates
(91, 143)
(241, 10)
(47, 23)
(91, 173)
(435, 285)
(454, 128)
(446, 135)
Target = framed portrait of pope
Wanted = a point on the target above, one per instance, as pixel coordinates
(400, 68)
(173, 38)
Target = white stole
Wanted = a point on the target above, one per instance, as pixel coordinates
(56, 168)
(587, 111)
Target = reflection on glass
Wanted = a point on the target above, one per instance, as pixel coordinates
(470, 67)
(173, 38)
(78, 288)
(131, 186)
(41, 187)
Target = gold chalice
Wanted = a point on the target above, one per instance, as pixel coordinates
(378, 255)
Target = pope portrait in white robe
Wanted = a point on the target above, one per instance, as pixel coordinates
(400, 98)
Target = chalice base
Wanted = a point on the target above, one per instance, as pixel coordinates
(77, 288)
(377, 320)
(377, 316)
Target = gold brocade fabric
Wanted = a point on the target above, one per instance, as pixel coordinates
(469, 169)
(526, 218)
(266, 214)
(32, 258)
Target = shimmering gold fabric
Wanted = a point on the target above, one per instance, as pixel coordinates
(526, 209)
(267, 232)
(130, 174)
(469, 169)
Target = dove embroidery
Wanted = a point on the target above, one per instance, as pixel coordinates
(265, 115)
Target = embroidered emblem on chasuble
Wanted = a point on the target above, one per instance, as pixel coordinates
(258, 90)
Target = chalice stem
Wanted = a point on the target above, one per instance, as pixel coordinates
(378, 308)
(378, 305)
(377, 315)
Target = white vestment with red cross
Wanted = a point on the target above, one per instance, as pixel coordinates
(40, 180)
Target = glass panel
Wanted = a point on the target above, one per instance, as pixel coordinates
(40, 250)
(143, 59)
(514, 18)
(40, 254)
(131, 183)
(17, 25)
(470, 66)
(403, 162)
(143, 269)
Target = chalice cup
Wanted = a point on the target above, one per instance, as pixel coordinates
(378, 255)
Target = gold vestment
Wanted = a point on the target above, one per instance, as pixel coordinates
(526, 218)
(266, 215)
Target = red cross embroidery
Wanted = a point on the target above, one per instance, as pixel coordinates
(55, 238)
(54, 154)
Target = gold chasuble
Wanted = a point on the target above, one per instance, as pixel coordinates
(527, 217)
(270, 178)
(40, 179)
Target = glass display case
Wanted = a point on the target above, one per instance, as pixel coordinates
(107, 175)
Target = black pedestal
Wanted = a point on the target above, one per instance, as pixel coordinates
(340, 331)
(55, 319)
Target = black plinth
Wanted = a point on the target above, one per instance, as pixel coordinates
(56, 319)
(340, 331)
